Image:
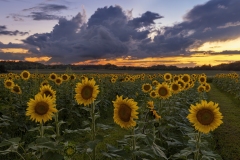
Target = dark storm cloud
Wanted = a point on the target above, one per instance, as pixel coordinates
(216, 20)
(4, 31)
(117, 22)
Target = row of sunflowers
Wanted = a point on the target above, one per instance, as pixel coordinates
(166, 116)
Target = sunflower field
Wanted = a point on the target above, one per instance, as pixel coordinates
(107, 116)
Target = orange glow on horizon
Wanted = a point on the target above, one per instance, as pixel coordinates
(179, 61)
(36, 59)
(14, 50)
(219, 46)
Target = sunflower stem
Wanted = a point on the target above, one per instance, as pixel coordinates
(133, 143)
(93, 129)
(41, 129)
(57, 125)
(196, 155)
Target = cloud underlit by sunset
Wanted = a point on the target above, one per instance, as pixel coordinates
(125, 33)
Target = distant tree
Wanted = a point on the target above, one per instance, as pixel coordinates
(3, 69)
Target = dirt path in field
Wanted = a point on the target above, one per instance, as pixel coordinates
(227, 135)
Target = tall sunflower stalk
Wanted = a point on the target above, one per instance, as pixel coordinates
(205, 117)
(93, 128)
(86, 93)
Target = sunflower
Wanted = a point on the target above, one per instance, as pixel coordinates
(86, 92)
(201, 88)
(125, 111)
(182, 84)
(44, 83)
(72, 77)
(52, 76)
(175, 88)
(16, 89)
(163, 91)
(25, 75)
(186, 78)
(65, 77)
(113, 80)
(153, 94)
(146, 87)
(41, 108)
(202, 79)
(48, 91)
(167, 76)
(207, 87)
(8, 83)
(205, 116)
(176, 78)
(155, 82)
(58, 80)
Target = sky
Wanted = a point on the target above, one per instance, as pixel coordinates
(184, 33)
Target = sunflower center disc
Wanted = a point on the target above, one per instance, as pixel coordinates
(167, 77)
(25, 75)
(202, 79)
(48, 93)
(87, 92)
(175, 87)
(16, 89)
(41, 108)
(146, 87)
(8, 83)
(162, 91)
(124, 112)
(205, 116)
(153, 94)
(185, 78)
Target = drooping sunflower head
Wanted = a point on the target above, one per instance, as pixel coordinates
(205, 116)
(163, 91)
(175, 88)
(156, 115)
(146, 87)
(25, 75)
(41, 108)
(125, 111)
(16, 89)
(150, 105)
(86, 92)
(48, 91)
(153, 94)
(167, 76)
(8, 83)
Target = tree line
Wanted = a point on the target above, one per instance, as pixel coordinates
(24, 65)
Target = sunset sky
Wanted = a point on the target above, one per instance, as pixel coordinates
(121, 32)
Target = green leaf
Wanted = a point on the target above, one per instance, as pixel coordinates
(141, 153)
(52, 156)
(157, 150)
(103, 126)
(149, 139)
